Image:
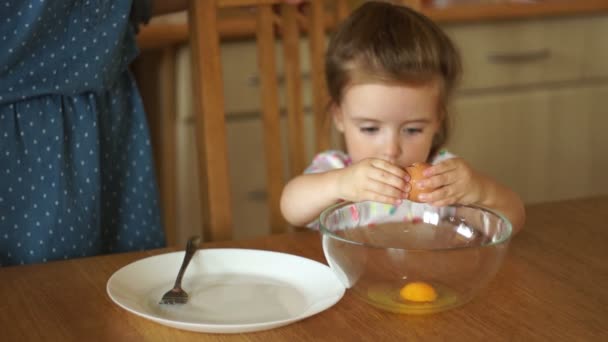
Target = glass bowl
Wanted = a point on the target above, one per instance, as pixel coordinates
(414, 258)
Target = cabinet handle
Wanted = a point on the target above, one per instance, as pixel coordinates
(254, 80)
(258, 195)
(520, 57)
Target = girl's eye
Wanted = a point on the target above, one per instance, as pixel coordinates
(368, 130)
(412, 130)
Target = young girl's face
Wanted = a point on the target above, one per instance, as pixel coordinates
(392, 122)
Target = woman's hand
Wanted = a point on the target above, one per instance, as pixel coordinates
(373, 180)
(454, 181)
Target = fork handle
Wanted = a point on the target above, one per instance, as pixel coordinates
(191, 248)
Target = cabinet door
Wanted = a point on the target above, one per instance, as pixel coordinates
(596, 48)
(545, 144)
(247, 176)
(520, 52)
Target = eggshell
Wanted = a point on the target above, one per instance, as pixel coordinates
(415, 171)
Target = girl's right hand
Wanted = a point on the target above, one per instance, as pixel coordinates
(373, 180)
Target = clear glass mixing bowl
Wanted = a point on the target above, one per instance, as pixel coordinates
(414, 258)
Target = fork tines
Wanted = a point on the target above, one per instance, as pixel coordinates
(174, 297)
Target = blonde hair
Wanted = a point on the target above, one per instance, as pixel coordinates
(382, 42)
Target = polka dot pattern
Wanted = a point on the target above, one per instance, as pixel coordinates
(76, 176)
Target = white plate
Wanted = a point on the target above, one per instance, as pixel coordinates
(231, 290)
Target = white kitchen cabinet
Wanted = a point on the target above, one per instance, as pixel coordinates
(519, 52)
(595, 58)
(547, 144)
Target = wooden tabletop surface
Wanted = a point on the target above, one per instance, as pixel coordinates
(553, 286)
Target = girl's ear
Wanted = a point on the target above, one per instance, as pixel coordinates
(440, 120)
(441, 114)
(338, 117)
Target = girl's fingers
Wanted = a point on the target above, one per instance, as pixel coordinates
(385, 189)
(442, 167)
(436, 195)
(383, 182)
(390, 168)
(446, 173)
(371, 193)
(451, 182)
(444, 202)
(438, 181)
(389, 174)
(447, 195)
(388, 179)
(383, 199)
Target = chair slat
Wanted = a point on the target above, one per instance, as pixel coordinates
(208, 100)
(168, 185)
(271, 116)
(293, 82)
(342, 10)
(316, 35)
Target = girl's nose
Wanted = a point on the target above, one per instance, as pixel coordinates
(392, 150)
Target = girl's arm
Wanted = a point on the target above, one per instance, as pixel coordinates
(501, 198)
(306, 196)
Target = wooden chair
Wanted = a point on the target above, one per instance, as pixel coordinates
(208, 97)
(154, 71)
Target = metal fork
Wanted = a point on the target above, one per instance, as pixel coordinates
(177, 295)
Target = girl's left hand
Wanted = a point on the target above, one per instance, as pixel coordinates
(454, 181)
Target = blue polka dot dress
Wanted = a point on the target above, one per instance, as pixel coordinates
(76, 175)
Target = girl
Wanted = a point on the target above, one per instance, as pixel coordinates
(390, 72)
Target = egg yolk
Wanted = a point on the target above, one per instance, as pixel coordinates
(418, 292)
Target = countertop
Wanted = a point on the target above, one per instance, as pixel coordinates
(162, 33)
(514, 9)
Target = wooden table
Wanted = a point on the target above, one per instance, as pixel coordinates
(552, 286)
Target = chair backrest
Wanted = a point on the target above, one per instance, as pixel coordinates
(269, 18)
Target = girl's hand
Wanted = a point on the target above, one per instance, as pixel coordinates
(454, 181)
(373, 180)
